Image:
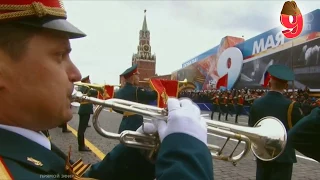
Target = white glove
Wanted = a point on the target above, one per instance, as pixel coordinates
(183, 117)
(147, 128)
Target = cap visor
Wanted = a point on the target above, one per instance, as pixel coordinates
(61, 25)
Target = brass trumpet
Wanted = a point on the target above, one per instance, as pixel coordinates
(98, 87)
(267, 139)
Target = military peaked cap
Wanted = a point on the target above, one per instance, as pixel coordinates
(46, 14)
(281, 72)
(130, 71)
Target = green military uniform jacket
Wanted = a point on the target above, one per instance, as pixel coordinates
(305, 135)
(85, 107)
(276, 105)
(129, 92)
(175, 161)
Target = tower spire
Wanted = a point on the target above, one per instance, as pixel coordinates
(145, 60)
(144, 25)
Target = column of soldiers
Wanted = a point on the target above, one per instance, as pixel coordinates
(232, 102)
(238, 102)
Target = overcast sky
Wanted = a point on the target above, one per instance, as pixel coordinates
(179, 30)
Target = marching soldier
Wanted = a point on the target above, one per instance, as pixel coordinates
(222, 106)
(275, 104)
(239, 106)
(250, 100)
(215, 105)
(85, 111)
(38, 41)
(130, 91)
(230, 106)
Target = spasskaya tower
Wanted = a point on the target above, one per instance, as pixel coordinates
(144, 58)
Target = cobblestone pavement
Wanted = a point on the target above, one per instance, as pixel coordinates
(245, 169)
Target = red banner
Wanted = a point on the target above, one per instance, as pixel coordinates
(223, 81)
(165, 89)
(108, 92)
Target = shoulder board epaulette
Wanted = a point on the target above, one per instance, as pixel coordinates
(4, 171)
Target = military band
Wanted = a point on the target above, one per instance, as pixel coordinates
(42, 39)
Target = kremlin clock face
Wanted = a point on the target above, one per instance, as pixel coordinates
(146, 47)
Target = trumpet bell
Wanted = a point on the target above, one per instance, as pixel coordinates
(271, 139)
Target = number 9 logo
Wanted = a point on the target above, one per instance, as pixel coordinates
(229, 67)
(294, 28)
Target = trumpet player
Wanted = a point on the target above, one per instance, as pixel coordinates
(275, 104)
(34, 57)
(132, 92)
(85, 111)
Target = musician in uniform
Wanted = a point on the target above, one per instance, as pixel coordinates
(34, 54)
(305, 135)
(85, 111)
(131, 92)
(275, 104)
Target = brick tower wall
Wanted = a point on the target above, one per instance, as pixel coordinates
(147, 69)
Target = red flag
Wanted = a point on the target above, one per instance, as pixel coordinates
(107, 94)
(165, 89)
(223, 81)
(171, 86)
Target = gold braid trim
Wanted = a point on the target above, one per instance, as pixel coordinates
(34, 9)
(289, 114)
